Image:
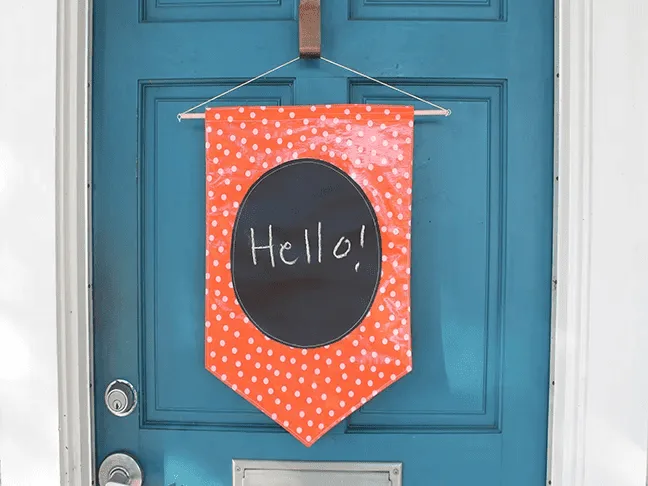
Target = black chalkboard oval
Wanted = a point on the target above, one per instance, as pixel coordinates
(306, 253)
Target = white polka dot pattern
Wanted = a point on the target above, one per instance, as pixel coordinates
(309, 391)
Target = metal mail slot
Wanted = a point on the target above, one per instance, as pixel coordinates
(298, 473)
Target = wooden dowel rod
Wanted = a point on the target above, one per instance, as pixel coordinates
(190, 116)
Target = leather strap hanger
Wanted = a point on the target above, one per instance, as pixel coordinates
(310, 29)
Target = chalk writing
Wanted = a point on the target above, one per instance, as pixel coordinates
(341, 249)
(267, 247)
(336, 250)
(286, 246)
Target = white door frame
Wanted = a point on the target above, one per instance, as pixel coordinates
(591, 441)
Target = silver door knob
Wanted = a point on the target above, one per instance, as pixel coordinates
(118, 478)
(120, 469)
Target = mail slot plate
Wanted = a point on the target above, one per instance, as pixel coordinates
(313, 473)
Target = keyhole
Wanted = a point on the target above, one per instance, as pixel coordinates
(120, 398)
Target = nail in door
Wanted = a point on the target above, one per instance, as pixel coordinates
(474, 409)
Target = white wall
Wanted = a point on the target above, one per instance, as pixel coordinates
(28, 362)
(617, 395)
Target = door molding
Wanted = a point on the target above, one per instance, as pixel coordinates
(73, 263)
(571, 363)
(572, 242)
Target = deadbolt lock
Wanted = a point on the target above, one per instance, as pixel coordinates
(120, 398)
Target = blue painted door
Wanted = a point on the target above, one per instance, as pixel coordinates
(474, 410)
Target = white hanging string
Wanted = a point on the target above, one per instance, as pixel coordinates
(387, 85)
(439, 109)
(182, 115)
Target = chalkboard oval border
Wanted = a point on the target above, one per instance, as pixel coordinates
(373, 214)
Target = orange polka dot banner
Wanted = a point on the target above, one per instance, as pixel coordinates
(307, 282)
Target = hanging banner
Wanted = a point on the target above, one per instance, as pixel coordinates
(308, 219)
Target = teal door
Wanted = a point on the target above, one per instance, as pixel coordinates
(474, 409)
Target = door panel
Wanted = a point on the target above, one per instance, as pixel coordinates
(474, 408)
(493, 10)
(173, 287)
(455, 260)
(214, 11)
